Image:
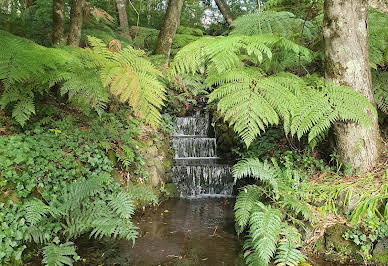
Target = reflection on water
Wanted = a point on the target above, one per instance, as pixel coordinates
(187, 232)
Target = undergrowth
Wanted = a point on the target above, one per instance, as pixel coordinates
(58, 181)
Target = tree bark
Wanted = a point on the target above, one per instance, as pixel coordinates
(123, 17)
(347, 63)
(225, 11)
(168, 30)
(58, 20)
(76, 19)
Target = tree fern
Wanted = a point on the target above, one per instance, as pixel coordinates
(26, 69)
(58, 255)
(251, 100)
(133, 79)
(281, 23)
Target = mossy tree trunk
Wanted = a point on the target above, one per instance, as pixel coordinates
(225, 11)
(76, 19)
(123, 17)
(168, 30)
(347, 62)
(58, 20)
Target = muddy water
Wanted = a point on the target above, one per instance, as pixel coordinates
(186, 232)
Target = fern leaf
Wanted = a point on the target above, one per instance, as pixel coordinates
(35, 211)
(245, 203)
(58, 255)
(122, 205)
(264, 230)
(259, 170)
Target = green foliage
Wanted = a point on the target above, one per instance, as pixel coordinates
(132, 78)
(380, 89)
(269, 212)
(367, 233)
(185, 92)
(372, 197)
(142, 194)
(261, 146)
(27, 69)
(378, 38)
(13, 227)
(62, 179)
(189, 31)
(283, 24)
(59, 255)
(251, 100)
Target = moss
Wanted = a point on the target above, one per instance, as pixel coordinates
(380, 259)
(112, 158)
(171, 190)
(319, 245)
(337, 248)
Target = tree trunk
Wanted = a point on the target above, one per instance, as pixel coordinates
(225, 11)
(58, 20)
(123, 18)
(170, 24)
(347, 62)
(76, 17)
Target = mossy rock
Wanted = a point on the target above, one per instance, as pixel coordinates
(171, 190)
(112, 158)
(380, 252)
(339, 249)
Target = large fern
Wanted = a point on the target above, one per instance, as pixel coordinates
(252, 100)
(281, 23)
(86, 76)
(270, 230)
(132, 78)
(26, 69)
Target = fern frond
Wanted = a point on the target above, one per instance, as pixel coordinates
(58, 255)
(133, 80)
(254, 167)
(282, 23)
(115, 228)
(264, 230)
(288, 253)
(122, 205)
(142, 194)
(35, 211)
(245, 203)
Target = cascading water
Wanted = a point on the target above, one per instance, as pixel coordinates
(197, 170)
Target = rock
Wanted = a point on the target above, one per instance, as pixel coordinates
(380, 252)
(154, 177)
(339, 249)
(171, 190)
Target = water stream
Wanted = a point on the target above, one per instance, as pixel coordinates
(197, 170)
(198, 228)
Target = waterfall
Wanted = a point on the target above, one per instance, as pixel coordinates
(197, 170)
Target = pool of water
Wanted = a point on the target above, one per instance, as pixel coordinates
(186, 232)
